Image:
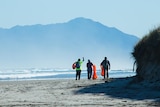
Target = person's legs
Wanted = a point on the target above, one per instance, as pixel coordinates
(79, 74)
(76, 74)
(88, 73)
(104, 73)
(107, 74)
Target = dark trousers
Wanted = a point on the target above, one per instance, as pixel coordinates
(89, 72)
(78, 74)
(106, 72)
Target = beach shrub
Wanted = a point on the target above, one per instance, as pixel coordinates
(147, 56)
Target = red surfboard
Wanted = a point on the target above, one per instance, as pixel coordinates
(102, 71)
(94, 73)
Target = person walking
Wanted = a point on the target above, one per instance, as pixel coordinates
(89, 69)
(78, 67)
(106, 66)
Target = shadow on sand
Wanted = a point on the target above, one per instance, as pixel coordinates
(124, 88)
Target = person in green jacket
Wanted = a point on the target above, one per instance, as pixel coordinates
(79, 68)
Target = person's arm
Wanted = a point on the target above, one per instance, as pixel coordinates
(92, 64)
(102, 63)
(82, 61)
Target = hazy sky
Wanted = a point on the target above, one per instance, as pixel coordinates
(135, 17)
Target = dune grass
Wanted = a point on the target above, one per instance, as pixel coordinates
(147, 56)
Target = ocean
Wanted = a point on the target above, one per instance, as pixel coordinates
(49, 73)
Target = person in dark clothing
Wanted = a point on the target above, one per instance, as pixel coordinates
(89, 69)
(106, 65)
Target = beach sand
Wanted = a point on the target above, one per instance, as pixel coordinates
(81, 93)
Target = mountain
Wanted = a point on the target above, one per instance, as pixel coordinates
(59, 45)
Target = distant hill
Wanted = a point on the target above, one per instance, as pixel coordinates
(59, 45)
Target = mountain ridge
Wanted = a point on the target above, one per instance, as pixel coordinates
(60, 44)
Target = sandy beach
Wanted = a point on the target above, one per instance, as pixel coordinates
(82, 93)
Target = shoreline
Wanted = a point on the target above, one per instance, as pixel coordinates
(117, 92)
(49, 75)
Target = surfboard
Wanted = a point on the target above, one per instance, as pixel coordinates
(102, 71)
(94, 73)
(73, 65)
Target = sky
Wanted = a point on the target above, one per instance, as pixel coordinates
(136, 17)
